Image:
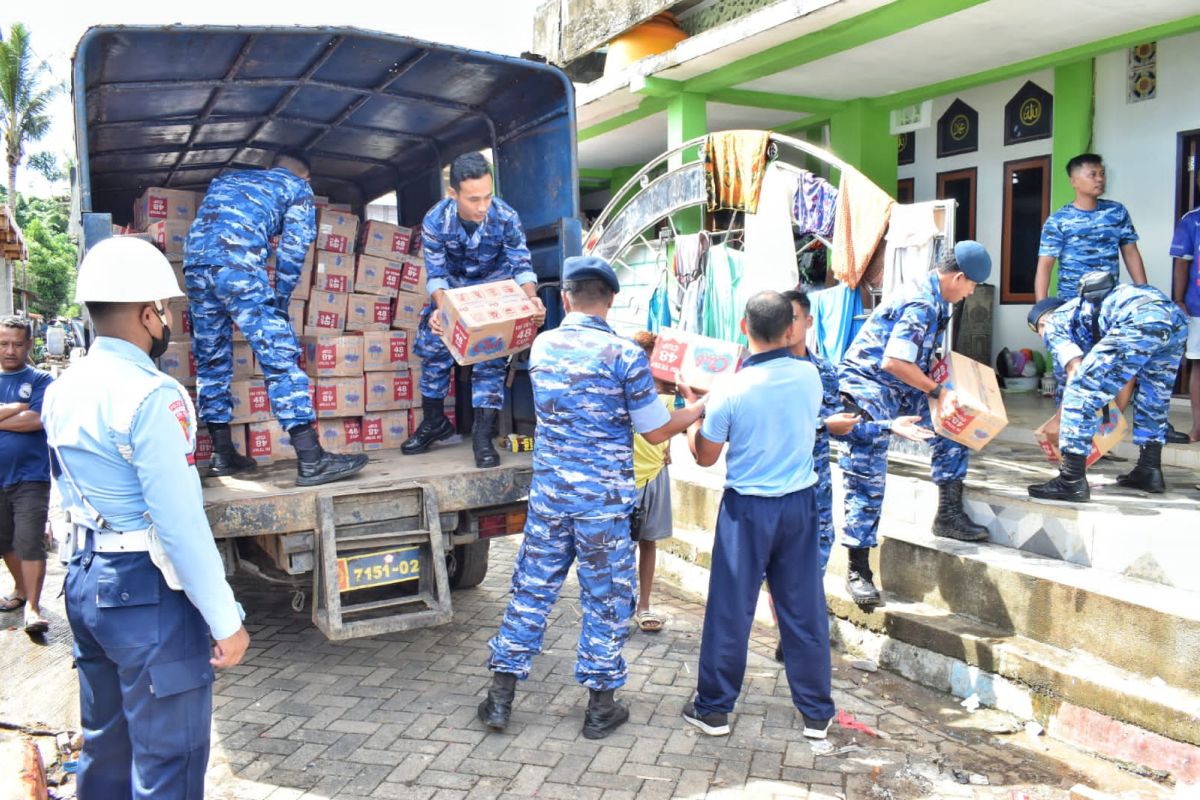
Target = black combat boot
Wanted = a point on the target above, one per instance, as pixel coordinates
(952, 521)
(317, 466)
(859, 580)
(1070, 485)
(435, 426)
(225, 459)
(483, 435)
(1147, 475)
(496, 708)
(604, 715)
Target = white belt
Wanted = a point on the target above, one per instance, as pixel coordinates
(113, 542)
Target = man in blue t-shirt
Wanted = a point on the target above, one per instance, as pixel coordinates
(767, 524)
(24, 473)
(1086, 235)
(1185, 247)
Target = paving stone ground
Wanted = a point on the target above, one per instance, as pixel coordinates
(394, 717)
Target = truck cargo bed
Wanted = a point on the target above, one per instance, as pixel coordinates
(268, 501)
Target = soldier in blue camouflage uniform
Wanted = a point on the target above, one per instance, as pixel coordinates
(468, 238)
(885, 373)
(591, 390)
(225, 271)
(1100, 342)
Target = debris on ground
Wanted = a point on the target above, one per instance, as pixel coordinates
(822, 747)
(865, 664)
(971, 703)
(846, 720)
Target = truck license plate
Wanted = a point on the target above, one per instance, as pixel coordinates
(379, 569)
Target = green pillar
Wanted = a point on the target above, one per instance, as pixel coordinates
(687, 118)
(1074, 106)
(859, 134)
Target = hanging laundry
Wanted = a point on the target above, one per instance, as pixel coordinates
(724, 300)
(659, 315)
(814, 205)
(770, 247)
(862, 217)
(837, 318)
(911, 232)
(688, 266)
(734, 162)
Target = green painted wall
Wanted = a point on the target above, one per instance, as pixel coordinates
(687, 118)
(859, 135)
(1074, 108)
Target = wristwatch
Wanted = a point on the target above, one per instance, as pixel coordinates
(935, 392)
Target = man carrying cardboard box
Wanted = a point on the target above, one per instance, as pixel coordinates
(1100, 341)
(885, 374)
(224, 267)
(468, 238)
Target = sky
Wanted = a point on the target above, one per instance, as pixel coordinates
(498, 26)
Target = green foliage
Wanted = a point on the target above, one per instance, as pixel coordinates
(24, 99)
(52, 257)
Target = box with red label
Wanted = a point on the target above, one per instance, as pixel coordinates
(169, 235)
(336, 230)
(385, 240)
(296, 317)
(384, 430)
(389, 391)
(375, 275)
(179, 362)
(156, 205)
(407, 310)
(699, 361)
(415, 246)
(980, 415)
(204, 443)
(267, 442)
(368, 312)
(1111, 429)
(326, 312)
(337, 397)
(340, 435)
(250, 401)
(181, 317)
(333, 272)
(331, 356)
(486, 321)
(243, 362)
(385, 350)
(412, 279)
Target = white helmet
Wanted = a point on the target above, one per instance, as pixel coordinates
(125, 269)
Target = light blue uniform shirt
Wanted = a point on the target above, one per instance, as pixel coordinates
(117, 396)
(768, 413)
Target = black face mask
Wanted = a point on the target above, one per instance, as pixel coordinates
(158, 345)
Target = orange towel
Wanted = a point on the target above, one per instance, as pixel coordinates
(734, 164)
(863, 210)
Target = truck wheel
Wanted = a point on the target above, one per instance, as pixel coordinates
(470, 564)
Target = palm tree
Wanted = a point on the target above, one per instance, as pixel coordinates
(23, 101)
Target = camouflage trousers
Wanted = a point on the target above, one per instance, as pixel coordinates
(219, 297)
(606, 593)
(437, 369)
(823, 499)
(1149, 351)
(864, 472)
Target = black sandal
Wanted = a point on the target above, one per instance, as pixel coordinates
(12, 602)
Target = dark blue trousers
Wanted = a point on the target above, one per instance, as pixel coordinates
(145, 684)
(775, 538)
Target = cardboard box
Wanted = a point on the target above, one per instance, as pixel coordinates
(1111, 430)
(407, 310)
(385, 240)
(384, 430)
(336, 230)
(375, 275)
(341, 435)
(337, 397)
(164, 204)
(244, 365)
(179, 362)
(204, 443)
(267, 442)
(412, 279)
(981, 415)
(326, 312)
(698, 361)
(416, 244)
(368, 312)
(389, 391)
(181, 317)
(385, 350)
(296, 317)
(333, 272)
(177, 268)
(487, 321)
(170, 236)
(332, 356)
(250, 401)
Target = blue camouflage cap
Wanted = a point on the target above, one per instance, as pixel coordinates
(582, 268)
(1040, 309)
(973, 260)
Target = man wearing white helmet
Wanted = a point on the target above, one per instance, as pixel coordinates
(145, 588)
